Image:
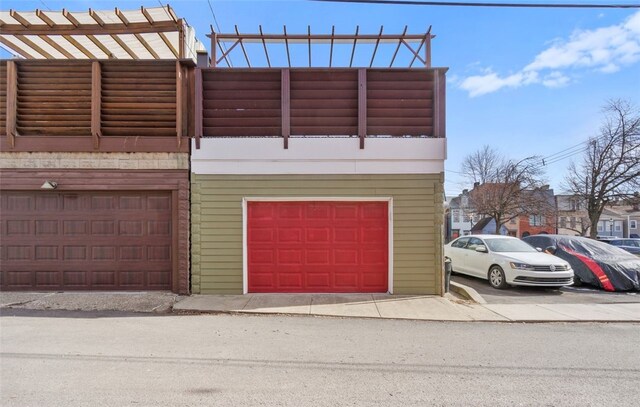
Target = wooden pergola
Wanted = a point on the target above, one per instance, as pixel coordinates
(147, 33)
(413, 42)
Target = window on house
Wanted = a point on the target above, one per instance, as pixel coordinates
(617, 226)
(600, 227)
(573, 222)
(633, 224)
(455, 215)
(563, 222)
(536, 220)
(466, 217)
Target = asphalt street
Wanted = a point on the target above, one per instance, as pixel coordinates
(544, 295)
(115, 359)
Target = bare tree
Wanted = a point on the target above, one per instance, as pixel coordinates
(506, 189)
(582, 225)
(610, 167)
(482, 165)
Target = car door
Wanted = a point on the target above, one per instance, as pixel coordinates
(457, 254)
(473, 260)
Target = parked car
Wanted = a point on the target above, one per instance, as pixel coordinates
(506, 260)
(630, 245)
(594, 263)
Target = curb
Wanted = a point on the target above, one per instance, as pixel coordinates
(466, 292)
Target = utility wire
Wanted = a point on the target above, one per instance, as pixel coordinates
(168, 15)
(224, 49)
(484, 4)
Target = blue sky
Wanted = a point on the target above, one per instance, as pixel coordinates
(525, 81)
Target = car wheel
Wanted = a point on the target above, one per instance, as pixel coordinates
(497, 278)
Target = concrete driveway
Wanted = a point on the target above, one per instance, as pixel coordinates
(542, 295)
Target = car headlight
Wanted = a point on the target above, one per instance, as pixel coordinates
(521, 266)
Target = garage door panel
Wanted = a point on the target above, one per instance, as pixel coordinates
(317, 246)
(85, 241)
(18, 227)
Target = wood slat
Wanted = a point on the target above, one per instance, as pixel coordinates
(246, 122)
(240, 104)
(54, 99)
(241, 131)
(53, 131)
(400, 94)
(400, 85)
(241, 85)
(324, 130)
(322, 121)
(400, 130)
(400, 121)
(133, 132)
(242, 94)
(244, 113)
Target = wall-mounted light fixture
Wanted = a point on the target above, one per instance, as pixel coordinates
(49, 185)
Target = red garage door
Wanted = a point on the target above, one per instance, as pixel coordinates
(317, 247)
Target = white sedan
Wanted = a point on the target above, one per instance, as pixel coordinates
(505, 260)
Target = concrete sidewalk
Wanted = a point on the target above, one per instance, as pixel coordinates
(429, 308)
(417, 307)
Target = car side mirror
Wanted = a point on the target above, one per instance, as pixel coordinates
(482, 249)
(538, 249)
(551, 250)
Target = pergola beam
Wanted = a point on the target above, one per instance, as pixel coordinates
(96, 17)
(244, 51)
(353, 50)
(124, 46)
(320, 38)
(56, 46)
(375, 49)
(168, 43)
(94, 29)
(27, 36)
(70, 18)
(146, 45)
(34, 46)
(286, 44)
(414, 42)
(147, 15)
(398, 47)
(264, 44)
(16, 16)
(42, 16)
(15, 47)
(98, 44)
(121, 16)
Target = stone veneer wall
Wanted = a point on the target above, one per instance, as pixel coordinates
(121, 161)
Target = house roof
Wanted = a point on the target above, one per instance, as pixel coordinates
(482, 223)
(145, 33)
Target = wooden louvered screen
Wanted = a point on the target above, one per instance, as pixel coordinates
(138, 98)
(400, 102)
(54, 99)
(324, 102)
(3, 97)
(241, 103)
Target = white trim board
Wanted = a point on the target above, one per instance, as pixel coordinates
(245, 200)
(319, 156)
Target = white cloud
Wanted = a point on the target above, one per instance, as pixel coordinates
(605, 49)
(556, 80)
(491, 82)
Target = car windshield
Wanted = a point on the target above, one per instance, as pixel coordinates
(508, 245)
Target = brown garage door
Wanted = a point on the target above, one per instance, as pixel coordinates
(85, 241)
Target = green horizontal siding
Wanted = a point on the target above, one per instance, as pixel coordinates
(216, 205)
